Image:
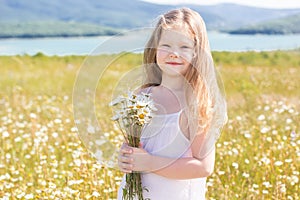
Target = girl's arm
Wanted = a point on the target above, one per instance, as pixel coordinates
(137, 159)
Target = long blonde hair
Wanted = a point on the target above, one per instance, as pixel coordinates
(206, 104)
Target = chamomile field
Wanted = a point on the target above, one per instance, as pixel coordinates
(42, 157)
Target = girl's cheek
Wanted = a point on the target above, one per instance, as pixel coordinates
(188, 57)
(162, 53)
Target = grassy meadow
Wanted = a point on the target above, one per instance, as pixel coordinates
(42, 157)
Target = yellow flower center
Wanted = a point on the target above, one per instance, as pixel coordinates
(141, 116)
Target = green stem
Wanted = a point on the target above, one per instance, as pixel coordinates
(124, 135)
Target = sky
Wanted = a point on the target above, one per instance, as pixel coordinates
(257, 3)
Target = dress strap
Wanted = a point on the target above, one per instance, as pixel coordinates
(149, 89)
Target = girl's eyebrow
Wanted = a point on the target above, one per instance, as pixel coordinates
(186, 42)
(164, 43)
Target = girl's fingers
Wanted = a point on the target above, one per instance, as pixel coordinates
(125, 163)
(126, 150)
(125, 167)
(125, 160)
(141, 145)
(126, 171)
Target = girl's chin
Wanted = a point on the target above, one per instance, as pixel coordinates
(171, 72)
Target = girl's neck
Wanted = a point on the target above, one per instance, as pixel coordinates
(174, 83)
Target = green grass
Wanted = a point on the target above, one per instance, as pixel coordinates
(41, 155)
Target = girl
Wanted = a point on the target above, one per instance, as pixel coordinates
(177, 150)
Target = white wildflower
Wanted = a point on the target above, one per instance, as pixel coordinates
(96, 194)
(91, 129)
(265, 192)
(288, 160)
(55, 135)
(261, 117)
(267, 184)
(265, 160)
(57, 121)
(266, 108)
(29, 196)
(278, 163)
(282, 188)
(294, 180)
(221, 172)
(265, 130)
(246, 175)
(288, 121)
(98, 155)
(100, 142)
(32, 115)
(235, 165)
(5, 134)
(116, 101)
(247, 135)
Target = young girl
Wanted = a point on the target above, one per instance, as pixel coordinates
(177, 149)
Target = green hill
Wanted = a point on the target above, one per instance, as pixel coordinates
(42, 18)
(286, 25)
(52, 29)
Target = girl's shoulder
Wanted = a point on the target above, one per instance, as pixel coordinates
(147, 89)
(142, 90)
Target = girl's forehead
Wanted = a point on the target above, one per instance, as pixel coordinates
(182, 35)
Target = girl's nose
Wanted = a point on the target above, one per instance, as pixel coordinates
(174, 54)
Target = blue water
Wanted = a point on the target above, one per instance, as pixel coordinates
(135, 42)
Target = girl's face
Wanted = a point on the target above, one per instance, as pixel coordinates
(175, 52)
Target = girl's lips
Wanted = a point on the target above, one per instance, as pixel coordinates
(173, 63)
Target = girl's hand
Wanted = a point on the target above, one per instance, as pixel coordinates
(134, 159)
(124, 159)
(141, 160)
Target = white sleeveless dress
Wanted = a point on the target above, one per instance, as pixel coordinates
(163, 137)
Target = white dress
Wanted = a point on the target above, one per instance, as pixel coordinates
(163, 137)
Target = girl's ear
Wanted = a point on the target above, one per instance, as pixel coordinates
(194, 52)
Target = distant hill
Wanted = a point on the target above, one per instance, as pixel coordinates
(233, 16)
(285, 25)
(117, 13)
(81, 17)
(53, 29)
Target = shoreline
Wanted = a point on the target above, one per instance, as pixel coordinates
(91, 35)
(135, 41)
(41, 54)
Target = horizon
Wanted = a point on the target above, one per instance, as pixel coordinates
(269, 4)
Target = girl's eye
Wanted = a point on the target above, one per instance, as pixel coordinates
(185, 47)
(165, 45)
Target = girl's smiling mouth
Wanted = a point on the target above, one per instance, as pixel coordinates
(174, 63)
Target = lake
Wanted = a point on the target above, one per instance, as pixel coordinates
(134, 41)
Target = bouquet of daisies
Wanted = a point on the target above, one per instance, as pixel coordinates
(132, 113)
